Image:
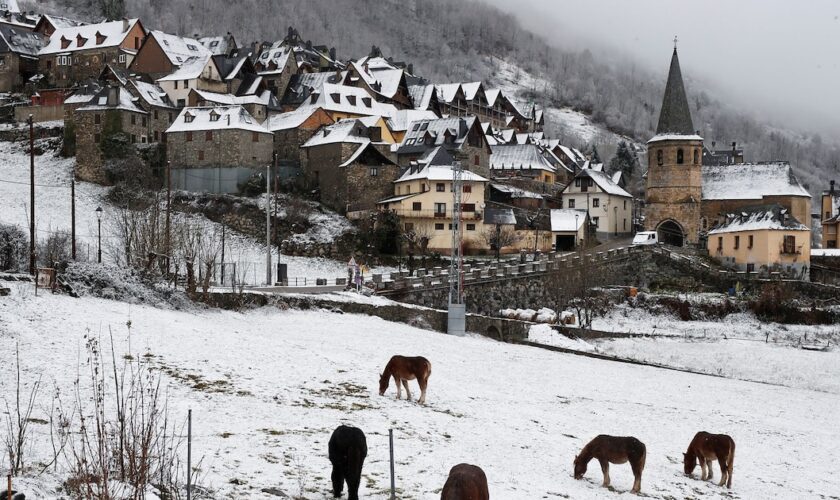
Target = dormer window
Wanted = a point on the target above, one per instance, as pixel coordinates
(188, 118)
(336, 98)
(100, 38)
(192, 47)
(313, 98)
(214, 117)
(65, 42)
(351, 99)
(81, 41)
(366, 101)
(166, 42)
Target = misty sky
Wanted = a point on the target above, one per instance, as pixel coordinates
(781, 57)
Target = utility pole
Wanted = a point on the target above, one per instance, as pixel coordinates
(457, 308)
(189, 454)
(391, 449)
(167, 238)
(268, 225)
(31, 195)
(223, 252)
(73, 217)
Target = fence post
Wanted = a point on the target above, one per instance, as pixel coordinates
(391, 446)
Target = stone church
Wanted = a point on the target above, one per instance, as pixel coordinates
(684, 198)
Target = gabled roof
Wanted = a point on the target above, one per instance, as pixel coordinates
(750, 181)
(353, 100)
(421, 95)
(178, 49)
(515, 192)
(217, 45)
(151, 94)
(519, 157)
(116, 98)
(190, 70)
(59, 22)
(231, 66)
(301, 84)
(603, 181)
(264, 99)
(369, 150)
(567, 220)
(291, 119)
(425, 134)
(438, 173)
(277, 57)
(379, 76)
(403, 118)
(216, 118)
(675, 115)
(763, 217)
(22, 42)
(343, 131)
(113, 31)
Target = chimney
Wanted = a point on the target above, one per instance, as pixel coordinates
(733, 146)
(831, 190)
(411, 69)
(713, 144)
(125, 24)
(113, 96)
(332, 53)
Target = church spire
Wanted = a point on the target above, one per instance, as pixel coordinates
(675, 116)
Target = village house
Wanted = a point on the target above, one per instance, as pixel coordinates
(197, 73)
(259, 106)
(14, 18)
(49, 23)
(830, 216)
(342, 101)
(77, 53)
(422, 199)
(610, 208)
(570, 157)
(219, 45)
(424, 97)
(401, 121)
(350, 173)
(162, 53)
(109, 113)
(277, 65)
(217, 149)
(525, 160)
(384, 81)
(301, 86)
(463, 135)
(568, 228)
(239, 75)
(508, 194)
(762, 240)
(154, 101)
(292, 129)
(489, 105)
(18, 56)
(310, 57)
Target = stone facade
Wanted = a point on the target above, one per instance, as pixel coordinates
(674, 186)
(91, 128)
(219, 148)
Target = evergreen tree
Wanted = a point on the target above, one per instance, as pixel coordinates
(625, 160)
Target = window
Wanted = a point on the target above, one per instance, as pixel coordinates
(201, 155)
(572, 203)
(176, 84)
(208, 135)
(720, 243)
(423, 187)
(696, 156)
(374, 171)
(170, 117)
(417, 206)
(157, 136)
(133, 139)
(595, 221)
(255, 137)
(134, 119)
(476, 160)
(750, 268)
(789, 244)
(737, 242)
(440, 209)
(468, 207)
(214, 117)
(439, 226)
(143, 120)
(659, 157)
(470, 227)
(750, 241)
(680, 158)
(189, 136)
(156, 114)
(188, 118)
(577, 182)
(625, 224)
(136, 42)
(625, 204)
(468, 188)
(440, 187)
(409, 226)
(97, 118)
(2, 60)
(122, 59)
(144, 139)
(596, 202)
(186, 84)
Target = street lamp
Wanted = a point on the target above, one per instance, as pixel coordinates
(99, 233)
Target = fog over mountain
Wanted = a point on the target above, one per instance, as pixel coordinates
(777, 58)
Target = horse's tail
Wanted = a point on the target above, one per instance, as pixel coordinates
(730, 463)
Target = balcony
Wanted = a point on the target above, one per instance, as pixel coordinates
(791, 249)
(432, 214)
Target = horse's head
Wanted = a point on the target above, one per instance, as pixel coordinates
(689, 463)
(580, 467)
(383, 383)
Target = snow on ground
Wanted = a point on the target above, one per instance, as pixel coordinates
(521, 413)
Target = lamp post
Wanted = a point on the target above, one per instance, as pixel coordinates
(99, 234)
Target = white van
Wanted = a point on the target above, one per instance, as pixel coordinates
(645, 238)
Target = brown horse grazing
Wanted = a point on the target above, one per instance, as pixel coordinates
(465, 482)
(403, 369)
(616, 450)
(708, 447)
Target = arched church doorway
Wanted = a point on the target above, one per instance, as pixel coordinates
(670, 233)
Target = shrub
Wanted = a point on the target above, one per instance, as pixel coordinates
(14, 248)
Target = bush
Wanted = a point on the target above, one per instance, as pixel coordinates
(14, 248)
(773, 304)
(55, 249)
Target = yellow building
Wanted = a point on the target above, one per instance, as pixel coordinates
(423, 201)
(762, 239)
(609, 207)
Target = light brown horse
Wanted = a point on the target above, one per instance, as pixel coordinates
(615, 450)
(465, 482)
(403, 369)
(707, 447)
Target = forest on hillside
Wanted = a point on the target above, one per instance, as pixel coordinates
(461, 40)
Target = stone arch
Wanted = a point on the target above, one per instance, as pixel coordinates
(494, 332)
(670, 232)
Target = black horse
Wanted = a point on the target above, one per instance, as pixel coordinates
(348, 449)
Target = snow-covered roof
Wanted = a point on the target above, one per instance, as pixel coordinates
(291, 119)
(675, 137)
(750, 181)
(446, 91)
(216, 118)
(573, 154)
(382, 79)
(596, 167)
(616, 176)
(421, 95)
(22, 41)
(151, 94)
(230, 99)
(353, 100)
(604, 182)
(438, 173)
(189, 70)
(114, 32)
(767, 217)
(351, 131)
(519, 157)
(124, 101)
(11, 6)
(61, 22)
(395, 199)
(492, 95)
(567, 219)
(825, 252)
(424, 134)
(516, 192)
(403, 118)
(179, 49)
(277, 56)
(217, 45)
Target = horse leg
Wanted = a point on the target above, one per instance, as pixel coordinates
(637, 466)
(702, 468)
(407, 390)
(354, 477)
(422, 383)
(723, 471)
(337, 480)
(605, 468)
(399, 387)
(709, 468)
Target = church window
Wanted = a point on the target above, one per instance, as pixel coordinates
(659, 157)
(696, 156)
(680, 157)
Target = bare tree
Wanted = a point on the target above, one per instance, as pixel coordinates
(499, 238)
(17, 421)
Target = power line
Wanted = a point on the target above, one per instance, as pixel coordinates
(37, 185)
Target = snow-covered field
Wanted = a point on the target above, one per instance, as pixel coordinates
(520, 413)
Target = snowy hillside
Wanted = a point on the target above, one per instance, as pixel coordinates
(268, 386)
